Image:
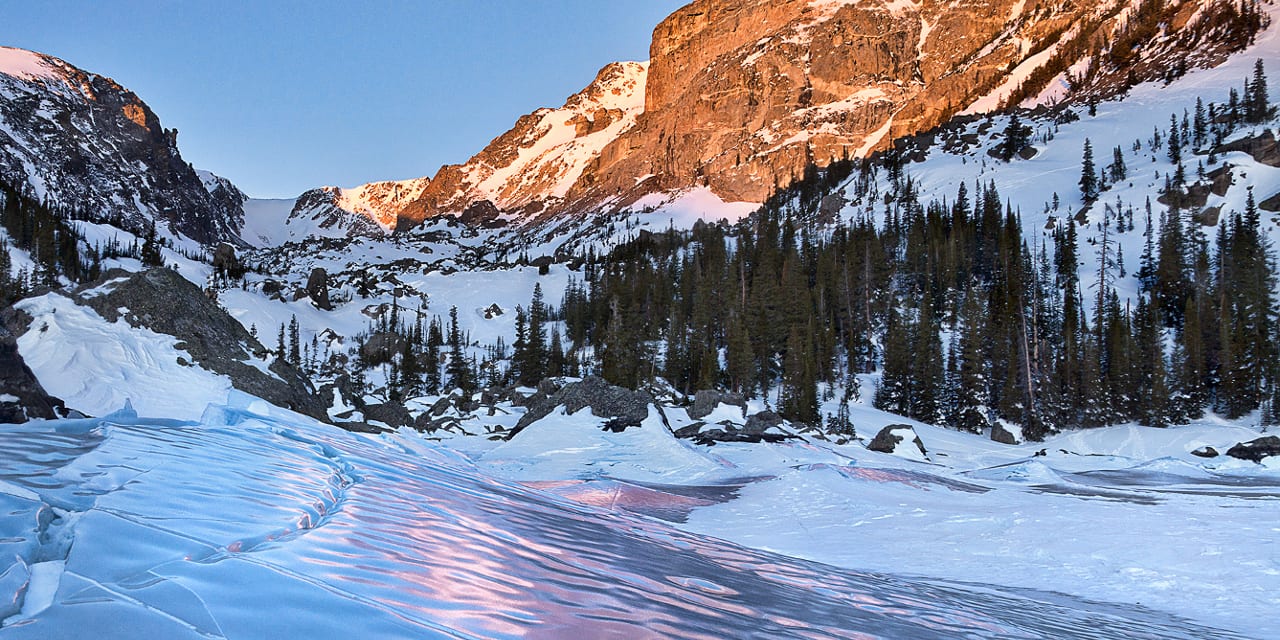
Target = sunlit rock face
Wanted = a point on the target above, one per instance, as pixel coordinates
(742, 95)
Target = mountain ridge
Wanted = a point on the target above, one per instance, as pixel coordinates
(80, 140)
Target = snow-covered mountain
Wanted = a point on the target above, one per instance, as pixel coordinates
(568, 506)
(741, 96)
(79, 140)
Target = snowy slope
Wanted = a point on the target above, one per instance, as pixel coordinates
(1030, 185)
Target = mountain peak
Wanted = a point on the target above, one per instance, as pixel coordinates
(28, 65)
(80, 140)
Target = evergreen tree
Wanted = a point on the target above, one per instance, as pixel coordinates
(1088, 174)
(435, 339)
(458, 370)
(1117, 169)
(739, 357)
(1200, 126)
(1016, 137)
(410, 371)
(894, 392)
(295, 357)
(1257, 102)
(972, 397)
(1174, 144)
(533, 369)
(555, 355)
(928, 380)
(799, 387)
(151, 255)
(280, 348)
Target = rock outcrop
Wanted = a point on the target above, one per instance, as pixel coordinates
(898, 439)
(81, 140)
(165, 302)
(706, 401)
(622, 407)
(21, 396)
(1256, 450)
(318, 288)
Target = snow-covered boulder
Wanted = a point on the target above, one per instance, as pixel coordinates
(764, 426)
(1205, 452)
(624, 408)
(892, 439)
(706, 401)
(1256, 450)
(1006, 433)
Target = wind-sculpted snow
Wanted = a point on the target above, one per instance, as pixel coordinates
(257, 524)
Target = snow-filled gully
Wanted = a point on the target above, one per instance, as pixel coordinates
(257, 524)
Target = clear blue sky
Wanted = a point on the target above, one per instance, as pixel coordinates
(281, 96)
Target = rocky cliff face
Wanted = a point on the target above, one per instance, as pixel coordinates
(741, 95)
(83, 141)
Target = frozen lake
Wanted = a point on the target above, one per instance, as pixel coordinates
(250, 525)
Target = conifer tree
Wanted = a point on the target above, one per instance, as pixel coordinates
(1200, 125)
(295, 357)
(1016, 138)
(799, 388)
(555, 355)
(1257, 101)
(151, 255)
(928, 380)
(1117, 169)
(1088, 174)
(1174, 144)
(410, 371)
(534, 367)
(971, 394)
(894, 392)
(435, 339)
(458, 371)
(739, 356)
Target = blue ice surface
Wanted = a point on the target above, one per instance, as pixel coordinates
(258, 523)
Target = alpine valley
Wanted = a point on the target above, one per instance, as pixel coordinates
(834, 318)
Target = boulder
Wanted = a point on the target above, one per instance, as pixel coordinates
(1205, 452)
(22, 398)
(624, 408)
(706, 401)
(1271, 204)
(440, 407)
(1002, 435)
(391, 414)
(1256, 450)
(481, 213)
(318, 288)
(890, 437)
(226, 262)
(382, 345)
(272, 288)
(762, 421)
(729, 433)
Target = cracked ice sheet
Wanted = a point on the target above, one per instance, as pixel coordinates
(267, 525)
